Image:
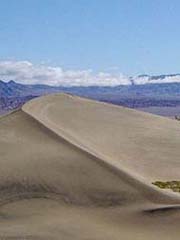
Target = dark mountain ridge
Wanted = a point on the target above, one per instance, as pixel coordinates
(13, 95)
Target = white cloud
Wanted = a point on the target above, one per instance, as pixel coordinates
(141, 80)
(28, 73)
(167, 79)
(160, 79)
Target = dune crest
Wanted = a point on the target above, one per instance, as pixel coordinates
(79, 158)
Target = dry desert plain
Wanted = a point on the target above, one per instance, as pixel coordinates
(77, 169)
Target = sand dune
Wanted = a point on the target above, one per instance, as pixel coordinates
(72, 168)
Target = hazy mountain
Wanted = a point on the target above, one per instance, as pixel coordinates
(13, 95)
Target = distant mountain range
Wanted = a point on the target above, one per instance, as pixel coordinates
(13, 95)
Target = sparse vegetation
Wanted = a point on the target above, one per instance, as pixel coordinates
(173, 185)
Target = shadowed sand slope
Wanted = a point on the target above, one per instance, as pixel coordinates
(72, 168)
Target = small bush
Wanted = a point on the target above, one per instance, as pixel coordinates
(173, 185)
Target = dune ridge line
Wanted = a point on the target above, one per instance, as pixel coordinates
(37, 111)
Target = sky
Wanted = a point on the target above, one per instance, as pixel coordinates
(89, 40)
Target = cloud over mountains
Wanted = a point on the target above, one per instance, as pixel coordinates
(27, 73)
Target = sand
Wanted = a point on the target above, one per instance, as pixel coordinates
(77, 169)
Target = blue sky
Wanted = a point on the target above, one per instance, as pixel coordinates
(131, 37)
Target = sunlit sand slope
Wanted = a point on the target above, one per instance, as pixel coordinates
(143, 143)
(72, 168)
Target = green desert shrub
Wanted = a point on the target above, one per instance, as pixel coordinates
(173, 185)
